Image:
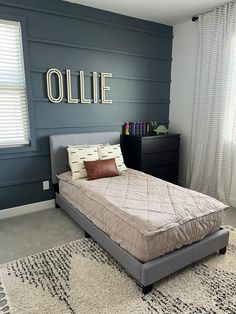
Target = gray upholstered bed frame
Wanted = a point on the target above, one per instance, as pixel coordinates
(146, 273)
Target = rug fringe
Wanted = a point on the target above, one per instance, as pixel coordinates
(4, 308)
(229, 227)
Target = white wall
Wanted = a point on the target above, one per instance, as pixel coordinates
(182, 88)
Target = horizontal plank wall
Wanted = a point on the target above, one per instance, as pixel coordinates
(68, 36)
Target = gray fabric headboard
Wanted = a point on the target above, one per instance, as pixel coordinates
(59, 143)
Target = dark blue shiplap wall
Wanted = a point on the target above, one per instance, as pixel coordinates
(67, 36)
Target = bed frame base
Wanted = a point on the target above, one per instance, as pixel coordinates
(87, 235)
(223, 250)
(149, 272)
(147, 289)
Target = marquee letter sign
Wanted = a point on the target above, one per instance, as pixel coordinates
(60, 85)
(70, 99)
(69, 91)
(105, 88)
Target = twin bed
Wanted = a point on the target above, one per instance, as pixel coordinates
(151, 227)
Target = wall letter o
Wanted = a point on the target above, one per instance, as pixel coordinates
(60, 85)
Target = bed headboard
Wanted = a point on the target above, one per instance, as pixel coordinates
(59, 143)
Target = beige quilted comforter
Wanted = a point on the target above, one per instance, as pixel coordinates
(146, 216)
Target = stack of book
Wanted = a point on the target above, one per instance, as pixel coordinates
(139, 128)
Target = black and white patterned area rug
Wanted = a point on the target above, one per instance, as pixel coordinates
(80, 277)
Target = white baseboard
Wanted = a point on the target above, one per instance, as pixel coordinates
(26, 209)
(232, 202)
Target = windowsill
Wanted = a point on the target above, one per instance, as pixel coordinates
(17, 149)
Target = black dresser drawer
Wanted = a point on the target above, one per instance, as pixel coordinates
(157, 155)
(156, 145)
(159, 159)
(168, 173)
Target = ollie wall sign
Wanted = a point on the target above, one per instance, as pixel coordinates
(70, 99)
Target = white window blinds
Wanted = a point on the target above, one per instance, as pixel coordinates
(14, 122)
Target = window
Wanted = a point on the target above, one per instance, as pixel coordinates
(14, 121)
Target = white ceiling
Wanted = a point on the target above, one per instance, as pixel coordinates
(170, 12)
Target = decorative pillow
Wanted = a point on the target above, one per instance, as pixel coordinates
(112, 151)
(77, 156)
(88, 145)
(101, 169)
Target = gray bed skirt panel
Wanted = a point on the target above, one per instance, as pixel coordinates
(167, 264)
(149, 272)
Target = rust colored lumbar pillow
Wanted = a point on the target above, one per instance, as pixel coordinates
(101, 169)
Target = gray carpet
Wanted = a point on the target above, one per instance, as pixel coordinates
(32, 233)
(80, 277)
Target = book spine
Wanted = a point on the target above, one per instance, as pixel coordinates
(126, 128)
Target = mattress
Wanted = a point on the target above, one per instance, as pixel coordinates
(145, 215)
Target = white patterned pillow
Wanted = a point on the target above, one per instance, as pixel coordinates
(112, 151)
(84, 145)
(87, 145)
(77, 156)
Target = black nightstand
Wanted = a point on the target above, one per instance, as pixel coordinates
(157, 155)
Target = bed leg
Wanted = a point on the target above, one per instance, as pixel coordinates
(87, 235)
(223, 251)
(147, 289)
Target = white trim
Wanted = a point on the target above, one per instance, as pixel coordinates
(232, 202)
(26, 209)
